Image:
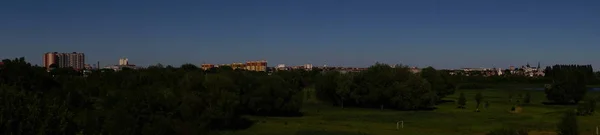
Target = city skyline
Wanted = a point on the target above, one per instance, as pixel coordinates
(65, 60)
(442, 34)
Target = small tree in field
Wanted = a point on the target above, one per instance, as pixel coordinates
(462, 101)
(527, 98)
(568, 124)
(478, 99)
(592, 105)
(587, 108)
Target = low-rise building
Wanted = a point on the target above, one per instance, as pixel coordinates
(207, 66)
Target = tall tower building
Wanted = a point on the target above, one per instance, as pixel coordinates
(50, 58)
(123, 61)
(62, 60)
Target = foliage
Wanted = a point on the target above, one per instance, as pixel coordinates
(587, 108)
(568, 82)
(440, 82)
(478, 98)
(156, 100)
(379, 86)
(462, 101)
(568, 124)
(527, 98)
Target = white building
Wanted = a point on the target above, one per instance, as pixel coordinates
(500, 71)
(123, 61)
(281, 66)
(308, 66)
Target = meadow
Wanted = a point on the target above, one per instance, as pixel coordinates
(447, 119)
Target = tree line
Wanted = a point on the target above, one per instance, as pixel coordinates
(568, 82)
(384, 86)
(157, 100)
(188, 100)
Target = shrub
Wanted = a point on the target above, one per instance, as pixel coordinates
(478, 99)
(587, 108)
(527, 98)
(462, 101)
(568, 124)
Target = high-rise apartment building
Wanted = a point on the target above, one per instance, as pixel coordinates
(256, 65)
(62, 60)
(49, 59)
(123, 61)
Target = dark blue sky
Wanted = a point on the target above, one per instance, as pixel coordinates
(439, 33)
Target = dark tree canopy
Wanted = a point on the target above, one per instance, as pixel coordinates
(156, 100)
(440, 82)
(568, 82)
(462, 100)
(568, 124)
(379, 86)
(187, 100)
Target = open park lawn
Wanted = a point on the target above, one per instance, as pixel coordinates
(322, 119)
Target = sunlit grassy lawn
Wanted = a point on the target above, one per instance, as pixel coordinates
(446, 120)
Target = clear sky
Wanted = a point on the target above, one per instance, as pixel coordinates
(439, 33)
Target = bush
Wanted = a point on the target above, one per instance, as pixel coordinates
(587, 108)
(478, 99)
(527, 98)
(462, 101)
(568, 124)
(508, 132)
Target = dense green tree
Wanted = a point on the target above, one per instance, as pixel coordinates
(587, 108)
(527, 98)
(462, 101)
(275, 96)
(478, 99)
(155, 100)
(326, 86)
(186, 100)
(568, 82)
(379, 86)
(568, 124)
(592, 105)
(440, 82)
(344, 88)
(189, 67)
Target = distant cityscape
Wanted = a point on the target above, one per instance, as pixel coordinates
(77, 61)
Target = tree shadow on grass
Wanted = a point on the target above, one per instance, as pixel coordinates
(235, 124)
(325, 132)
(445, 101)
(419, 109)
(279, 114)
(557, 103)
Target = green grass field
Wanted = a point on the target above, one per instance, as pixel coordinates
(446, 120)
